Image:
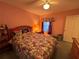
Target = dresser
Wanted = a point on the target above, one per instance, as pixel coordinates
(4, 37)
(75, 49)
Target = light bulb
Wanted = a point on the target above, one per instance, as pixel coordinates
(46, 6)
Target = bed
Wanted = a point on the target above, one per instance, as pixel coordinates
(33, 45)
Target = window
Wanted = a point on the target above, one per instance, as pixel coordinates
(46, 26)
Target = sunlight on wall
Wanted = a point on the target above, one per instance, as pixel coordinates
(35, 27)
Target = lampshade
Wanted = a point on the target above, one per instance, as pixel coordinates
(46, 6)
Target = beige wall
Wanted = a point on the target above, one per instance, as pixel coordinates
(13, 16)
(1, 17)
(58, 25)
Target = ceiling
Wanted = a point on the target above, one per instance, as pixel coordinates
(35, 6)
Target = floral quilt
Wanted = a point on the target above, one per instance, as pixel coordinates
(33, 45)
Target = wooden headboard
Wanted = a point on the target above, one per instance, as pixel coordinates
(23, 28)
(29, 28)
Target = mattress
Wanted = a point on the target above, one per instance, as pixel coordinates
(33, 45)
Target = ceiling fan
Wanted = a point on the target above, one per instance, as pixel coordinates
(44, 3)
(47, 4)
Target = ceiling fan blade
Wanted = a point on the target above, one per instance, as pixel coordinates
(31, 2)
(54, 2)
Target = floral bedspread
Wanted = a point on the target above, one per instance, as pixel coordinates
(33, 45)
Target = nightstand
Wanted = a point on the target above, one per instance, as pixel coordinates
(59, 37)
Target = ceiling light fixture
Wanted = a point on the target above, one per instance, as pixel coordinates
(46, 6)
